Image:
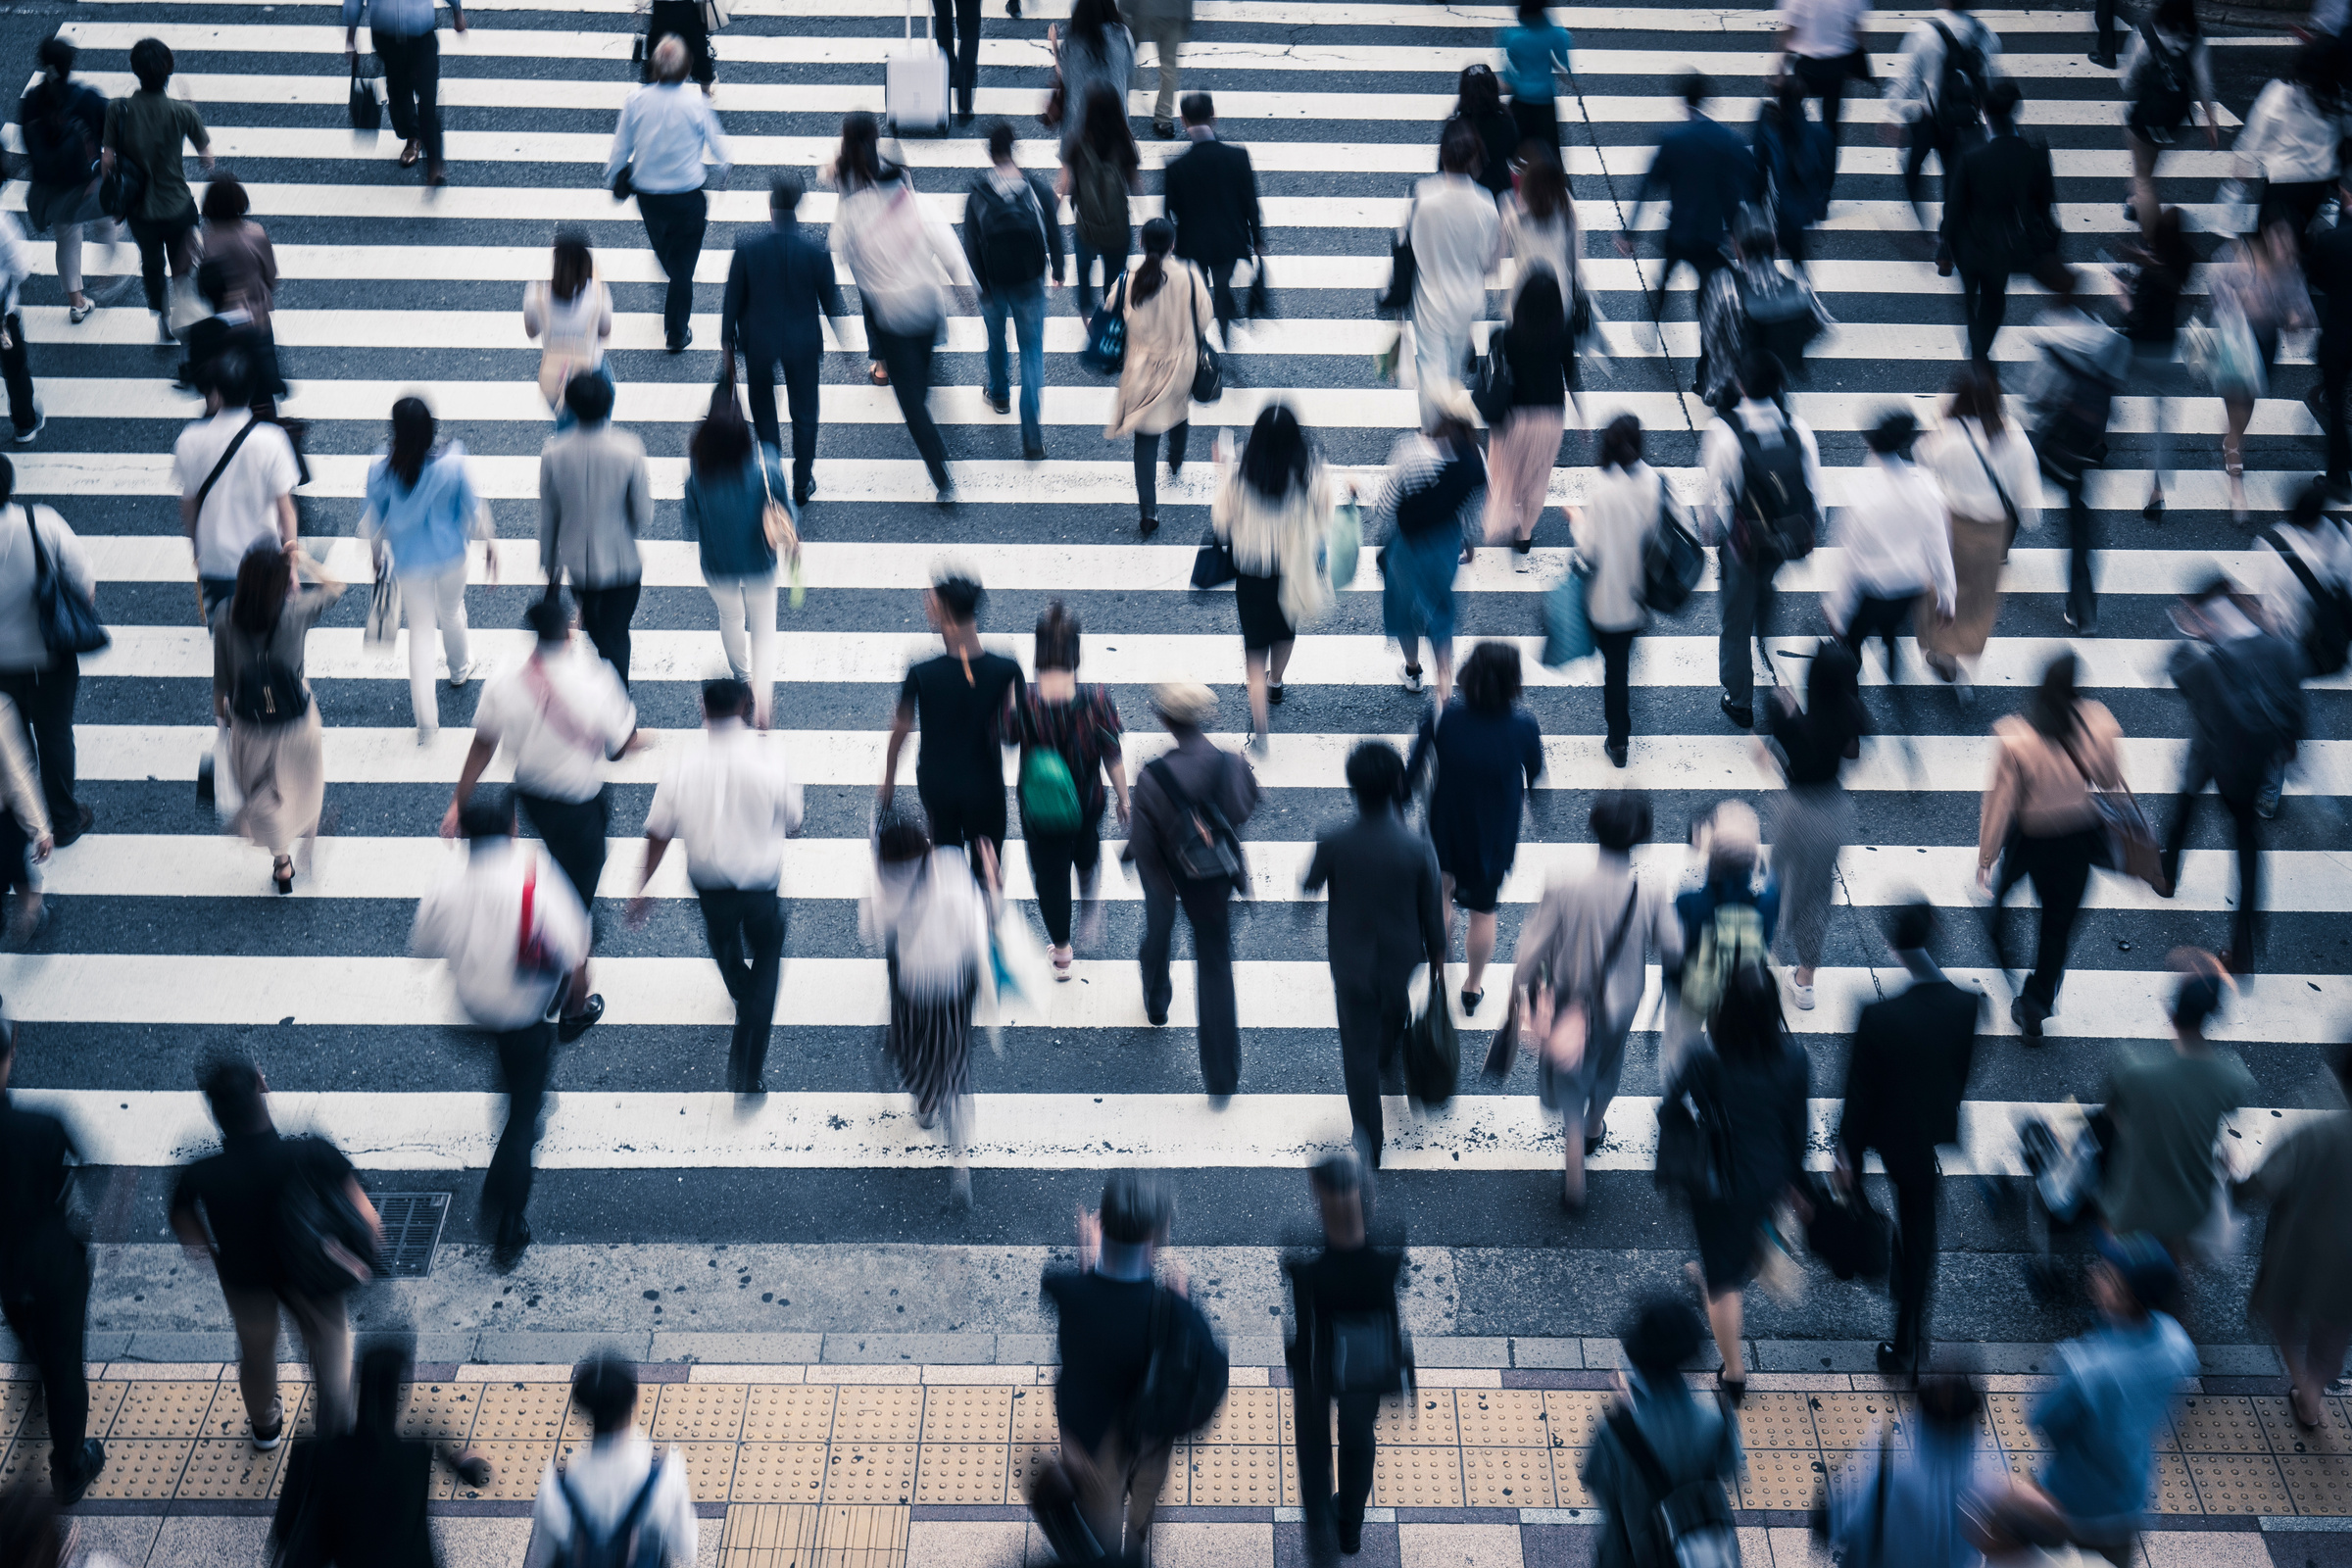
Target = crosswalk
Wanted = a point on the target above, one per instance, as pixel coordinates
(165, 944)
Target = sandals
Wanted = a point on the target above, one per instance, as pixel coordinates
(1470, 1000)
(878, 373)
(284, 879)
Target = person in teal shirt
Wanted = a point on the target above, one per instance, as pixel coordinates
(1532, 52)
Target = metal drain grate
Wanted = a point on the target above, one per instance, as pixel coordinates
(412, 1231)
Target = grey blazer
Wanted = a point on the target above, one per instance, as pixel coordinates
(595, 496)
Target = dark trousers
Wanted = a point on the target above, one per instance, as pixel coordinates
(1926, 136)
(674, 222)
(48, 1309)
(2081, 538)
(413, 84)
(683, 17)
(965, 819)
(959, 25)
(1374, 1011)
(45, 700)
(2193, 779)
(605, 617)
(1147, 466)
(573, 832)
(1220, 1028)
(1053, 856)
(1825, 79)
(1985, 305)
(1358, 1413)
(526, 1059)
(1704, 260)
(2103, 17)
(746, 928)
(801, 366)
(907, 356)
(159, 239)
(17, 369)
(1616, 669)
(1746, 603)
(1912, 1174)
(2060, 870)
(1881, 618)
(1536, 121)
(2335, 381)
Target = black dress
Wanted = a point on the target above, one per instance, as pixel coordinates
(356, 1502)
(1486, 761)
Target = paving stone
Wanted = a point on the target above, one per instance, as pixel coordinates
(909, 1349)
(1547, 1352)
(730, 1350)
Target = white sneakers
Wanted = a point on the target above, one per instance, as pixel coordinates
(1803, 996)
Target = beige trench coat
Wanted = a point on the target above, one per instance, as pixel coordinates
(1155, 389)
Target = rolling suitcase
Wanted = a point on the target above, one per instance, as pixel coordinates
(914, 85)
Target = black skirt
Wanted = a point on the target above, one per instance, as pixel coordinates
(1263, 623)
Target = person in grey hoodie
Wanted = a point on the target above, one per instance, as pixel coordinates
(1690, 1439)
(595, 497)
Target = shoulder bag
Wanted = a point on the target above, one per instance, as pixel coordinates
(1105, 350)
(367, 109)
(1208, 377)
(2131, 842)
(326, 1249)
(123, 190)
(1184, 1378)
(1672, 559)
(204, 491)
(1206, 848)
(2008, 507)
(1590, 1002)
(1212, 562)
(1433, 1049)
(1690, 1525)
(383, 610)
(70, 622)
(1403, 269)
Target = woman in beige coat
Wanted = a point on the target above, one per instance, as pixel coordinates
(1992, 488)
(1166, 304)
(276, 746)
(2304, 1291)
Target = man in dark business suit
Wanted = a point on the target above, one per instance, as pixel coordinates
(1384, 921)
(776, 285)
(1212, 200)
(1904, 1081)
(1997, 219)
(1705, 171)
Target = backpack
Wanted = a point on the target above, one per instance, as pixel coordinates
(1780, 320)
(1099, 196)
(1774, 518)
(1013, 233)
(1185, 1377)
(1687, 1526)
(1960, 87)
(627, 1544)
(324, 1248)
(1205, 847)
(2070, 428)
(2160, 93)
(57, 144)
(1732, 940)
(2327, 628)
(1049, 794)
(1364, 1352)
(1694, 1135)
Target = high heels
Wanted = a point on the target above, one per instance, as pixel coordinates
(281, 872)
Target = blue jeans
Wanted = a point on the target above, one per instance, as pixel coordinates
(1025, 303)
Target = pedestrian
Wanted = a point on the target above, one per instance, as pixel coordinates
(1428, 509)
(960, 696)
(1347, 1348)
(1098, 50)
(778, 282)
(561, 714)
(2159, 277)
(1211, 197)
(2290, 142)
(1752, 307)
(2072, 396)
(1078, 727)
(224, 1210)
(1622, 507)
(731, 480)
(2243, 685)
(1905, 1077)
(1478, 104)
(241, 247)
(2165, 68)
(2303, 1287)
(2256, 285)
(424, 511)
(899, 253)
(45, 1277)
(1011, 227)
(1823, 49)
(574, 309)
(1101, 170)
(690, 23)
(2305, 579)
(1456, 233)
(1102, 1308)
(1937, 97)
(1797, 164)
(1754, 1079)
(1539, 231)
(930, 917)
(1188, 806)
(2000, 218)
(1763, 493)
(596, 497)
(145, 131)
(2039, 820)
(1386, 920)
(1729, 922)
(1703, 171)
(277, 744)
(360, 1499)
(401, 34)
(1992, 491)
(617, 1493)
(232, 328)
(1525, 442)
(63, 123)
(1813, 816)
(1577, 978)
(1272, 510)
(516, 942)
(26, 837)
(1166, 25)
(1657, 1438)
(1898, 547)
(43, 683)
(1489, 753)
(2161, 1178)
(663, 137)
(1905, 1506)
(1166, 306)
(1534, 53)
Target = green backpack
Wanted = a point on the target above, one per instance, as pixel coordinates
(1731, 941)
(1048, 794)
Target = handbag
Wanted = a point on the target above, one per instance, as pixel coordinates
(1689, 1525)
(1567, 622)
(1057, 106)
(1208, 375)
(383, 610)
(1344, 543)
(1403, 269)
(123, 189)
(1212, 562)
(1206, 848)
(622, 189)
(68, 620)
(1433, 1051)
(1490, 393)
(1847, 1233)
(1262, 302)
(1105, 350)
(716, 14)
(2130, 842)
(367, 110)
(1364, 1352)
(1672, 560)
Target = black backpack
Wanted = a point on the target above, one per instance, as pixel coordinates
(324, 1248)
(57, 144)
(1012, 234)
(2162, 96)
(1960, 89)
(1781, 317)
(628, 1544)
(2070, 427)
(1185, 1377)
(1694, 1135)
(1774, 518)
(2327, 628)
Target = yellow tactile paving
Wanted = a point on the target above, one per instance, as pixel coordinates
(698, 1412)
(1845, 1421)
(222, 1467)
(1027, 1458)
(1567, 1478)
(963, 1472)
(516, 1470)
(105, 1399)
(441, 1411)
(163, 1411)
(1501, 1418)
(1236, 1475)
(27, 1463)
(878, 1415)
(2175, 1493)
(1425, 1419)
(860, 1537)
(1506, 1478)
(780, 1471)
(2239, 1483)
(2207, 1424)
(1573, 1416)
(2334, 1436)
(768, 1536)
(2318, 1486)
(2010, 1423)
(1248, 1416)
(710, 1469)
(793, 1412)
(1773, 1420)
(227, 1419)
(523, 1412)
(1417, 1478)
(1177, 1489)
(974, 1414)
(1779, 1477)
(870, 1472)
(1033, 1418)
(142, 1469)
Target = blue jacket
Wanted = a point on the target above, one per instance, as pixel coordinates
(2115, 1386)
(777, 283)
(724, 514)
(1704, 172)
(1690, 1439)
(424, 527)
(1796, 163)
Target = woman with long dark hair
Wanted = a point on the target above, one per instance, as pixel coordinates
(1526, 440)
(1991, 490)
(930, 917)
(1167, 310)
(422, 509)
(1272, 510)
(1100, 170)
(2039, 820)
(1478, 104)
(1428, 508)
(1612, 530)
(730, 481)
(2152, 327)
(1812, 818)
(1098, 51)
(1540, 233)
(275, 743)
(1079, 726)
(574, 309)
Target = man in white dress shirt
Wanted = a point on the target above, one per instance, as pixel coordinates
(732, 803)
(615, 1483)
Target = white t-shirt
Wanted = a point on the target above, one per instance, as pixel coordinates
(731, 804)
(241, 512)
(605, 1475)
(559, 730)
(1823, 29)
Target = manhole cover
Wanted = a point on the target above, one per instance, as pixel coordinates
(412, 1231)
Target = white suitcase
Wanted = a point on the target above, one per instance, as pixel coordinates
(914, 85)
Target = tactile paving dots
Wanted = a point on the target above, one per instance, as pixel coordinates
(709, 1468)
(1775, 1421)
(105, 1399)
(870, 1472)
(1236, 1475)
(2319, 1487)
(441, 1412)
(1417, 1478)
(2008, 1412)
(221, 1468)
(1423, 1418)
(1574, 1416)
(228, 1418)
(14, 1399)
(1033, 1419)
(2240, 1483)
(577, 1428)
(2334, 1434)
(977, 1414)
(2175, 1493)
(1246, 1416)
(144, 1469)
(878, 1415)
(516, 1412)
(1779, 1477)
(1027, 1459)
(963, 1472)
(788, 1412)
(698, 1412)
(1501, 1418)
(163, 1411)
(780, 1471)
(1567, 1478)
(516, 1468)
(1506, 1478)
(1843, 1421)
(2211, 1424)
